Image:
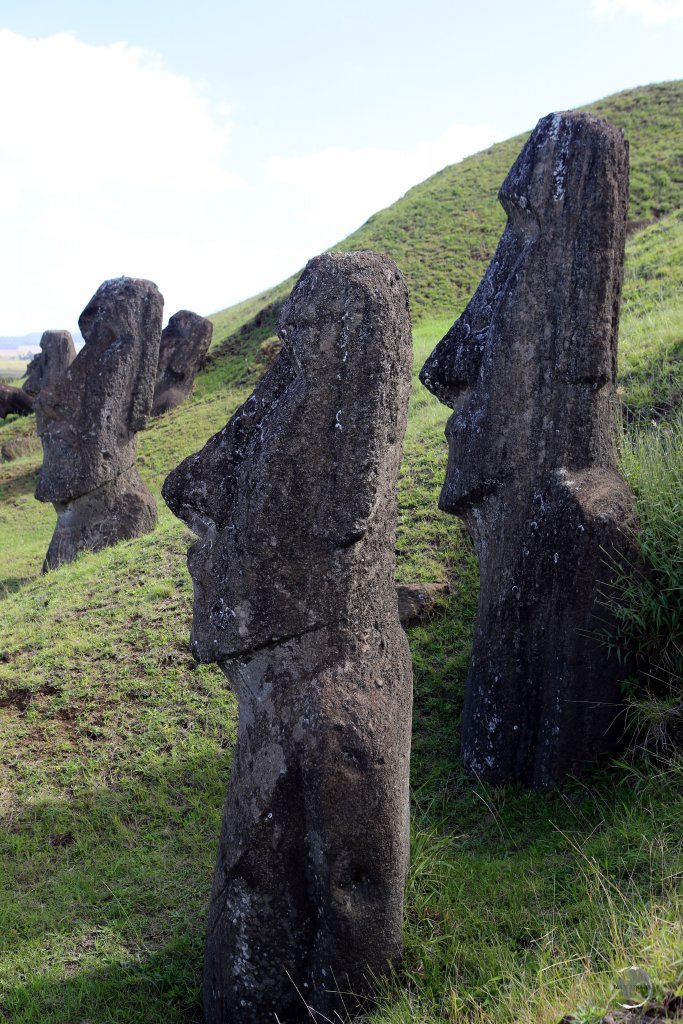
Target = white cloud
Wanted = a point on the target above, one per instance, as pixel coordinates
(653, 12)
(343, 187)
(109, 164)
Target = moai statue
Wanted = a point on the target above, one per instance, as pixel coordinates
(529, 371)
(88, 416)
(57, 353)
(184, 344)
(14, 401)
(294, 503)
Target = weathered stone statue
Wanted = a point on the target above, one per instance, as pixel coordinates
(294, 503)
(57, 353)
(529, 371)
(88, 416)
(14, 400)
(184, 344)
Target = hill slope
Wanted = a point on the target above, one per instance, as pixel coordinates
(115, 747)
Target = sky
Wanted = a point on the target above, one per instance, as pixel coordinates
(215, 146)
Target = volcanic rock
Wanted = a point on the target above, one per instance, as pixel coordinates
(14, 400)
(529, 371)
(57, 353)
(184, 344)
(88, 417)
(294, 504)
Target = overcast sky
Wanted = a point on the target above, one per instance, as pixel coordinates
(215, 146)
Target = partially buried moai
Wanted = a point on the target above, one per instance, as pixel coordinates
(529, 371)
(56, 355)
(87, 419)
(182, 352)
(294, 503)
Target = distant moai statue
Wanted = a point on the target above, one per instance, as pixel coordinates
(88, 416)
(529, 371)
(184, 344)
(57, 353)
(294, 503)
(14, 401)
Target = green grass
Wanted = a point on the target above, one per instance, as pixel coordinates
(115, 747)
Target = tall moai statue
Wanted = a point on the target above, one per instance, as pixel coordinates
(184, 344)
(529, 371)
(57, 354)
(294, 504)
(88, 417)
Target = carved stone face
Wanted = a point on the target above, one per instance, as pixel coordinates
(88, 415)
(525, 367)
(283, 494)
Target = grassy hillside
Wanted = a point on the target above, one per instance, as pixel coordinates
(115, 747)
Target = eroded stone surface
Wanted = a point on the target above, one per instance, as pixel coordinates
(184, 344)
(87, 418)
(529, 371)
(416, 601)
(294, 503)
(14, 400)
(57, 353)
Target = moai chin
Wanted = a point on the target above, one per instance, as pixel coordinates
(87, 419)
(57, 353)
(529, 371)
(184, 344)
(294, 504)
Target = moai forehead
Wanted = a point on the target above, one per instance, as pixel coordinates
(304, 472)
(529, 367)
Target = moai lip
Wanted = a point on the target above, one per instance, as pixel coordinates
(529, 372)
(184, 345)
(87, 418)
(57, 353)
(294, 505)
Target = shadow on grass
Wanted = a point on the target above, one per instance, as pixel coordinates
(15, 486)
(105, 897)
(12, 584)
(162, 989)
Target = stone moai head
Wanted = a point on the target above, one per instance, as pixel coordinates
(88, 416)
(184, 344)
(57, 353)
(529, 371)
(282, 496)
(529, 367)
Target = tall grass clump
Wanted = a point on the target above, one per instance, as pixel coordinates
(650, 601)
